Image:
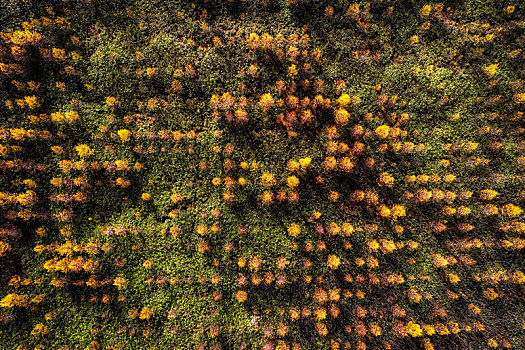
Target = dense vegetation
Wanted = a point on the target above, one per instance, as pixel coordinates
(262, 174)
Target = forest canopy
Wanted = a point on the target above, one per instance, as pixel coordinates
(262, 174)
